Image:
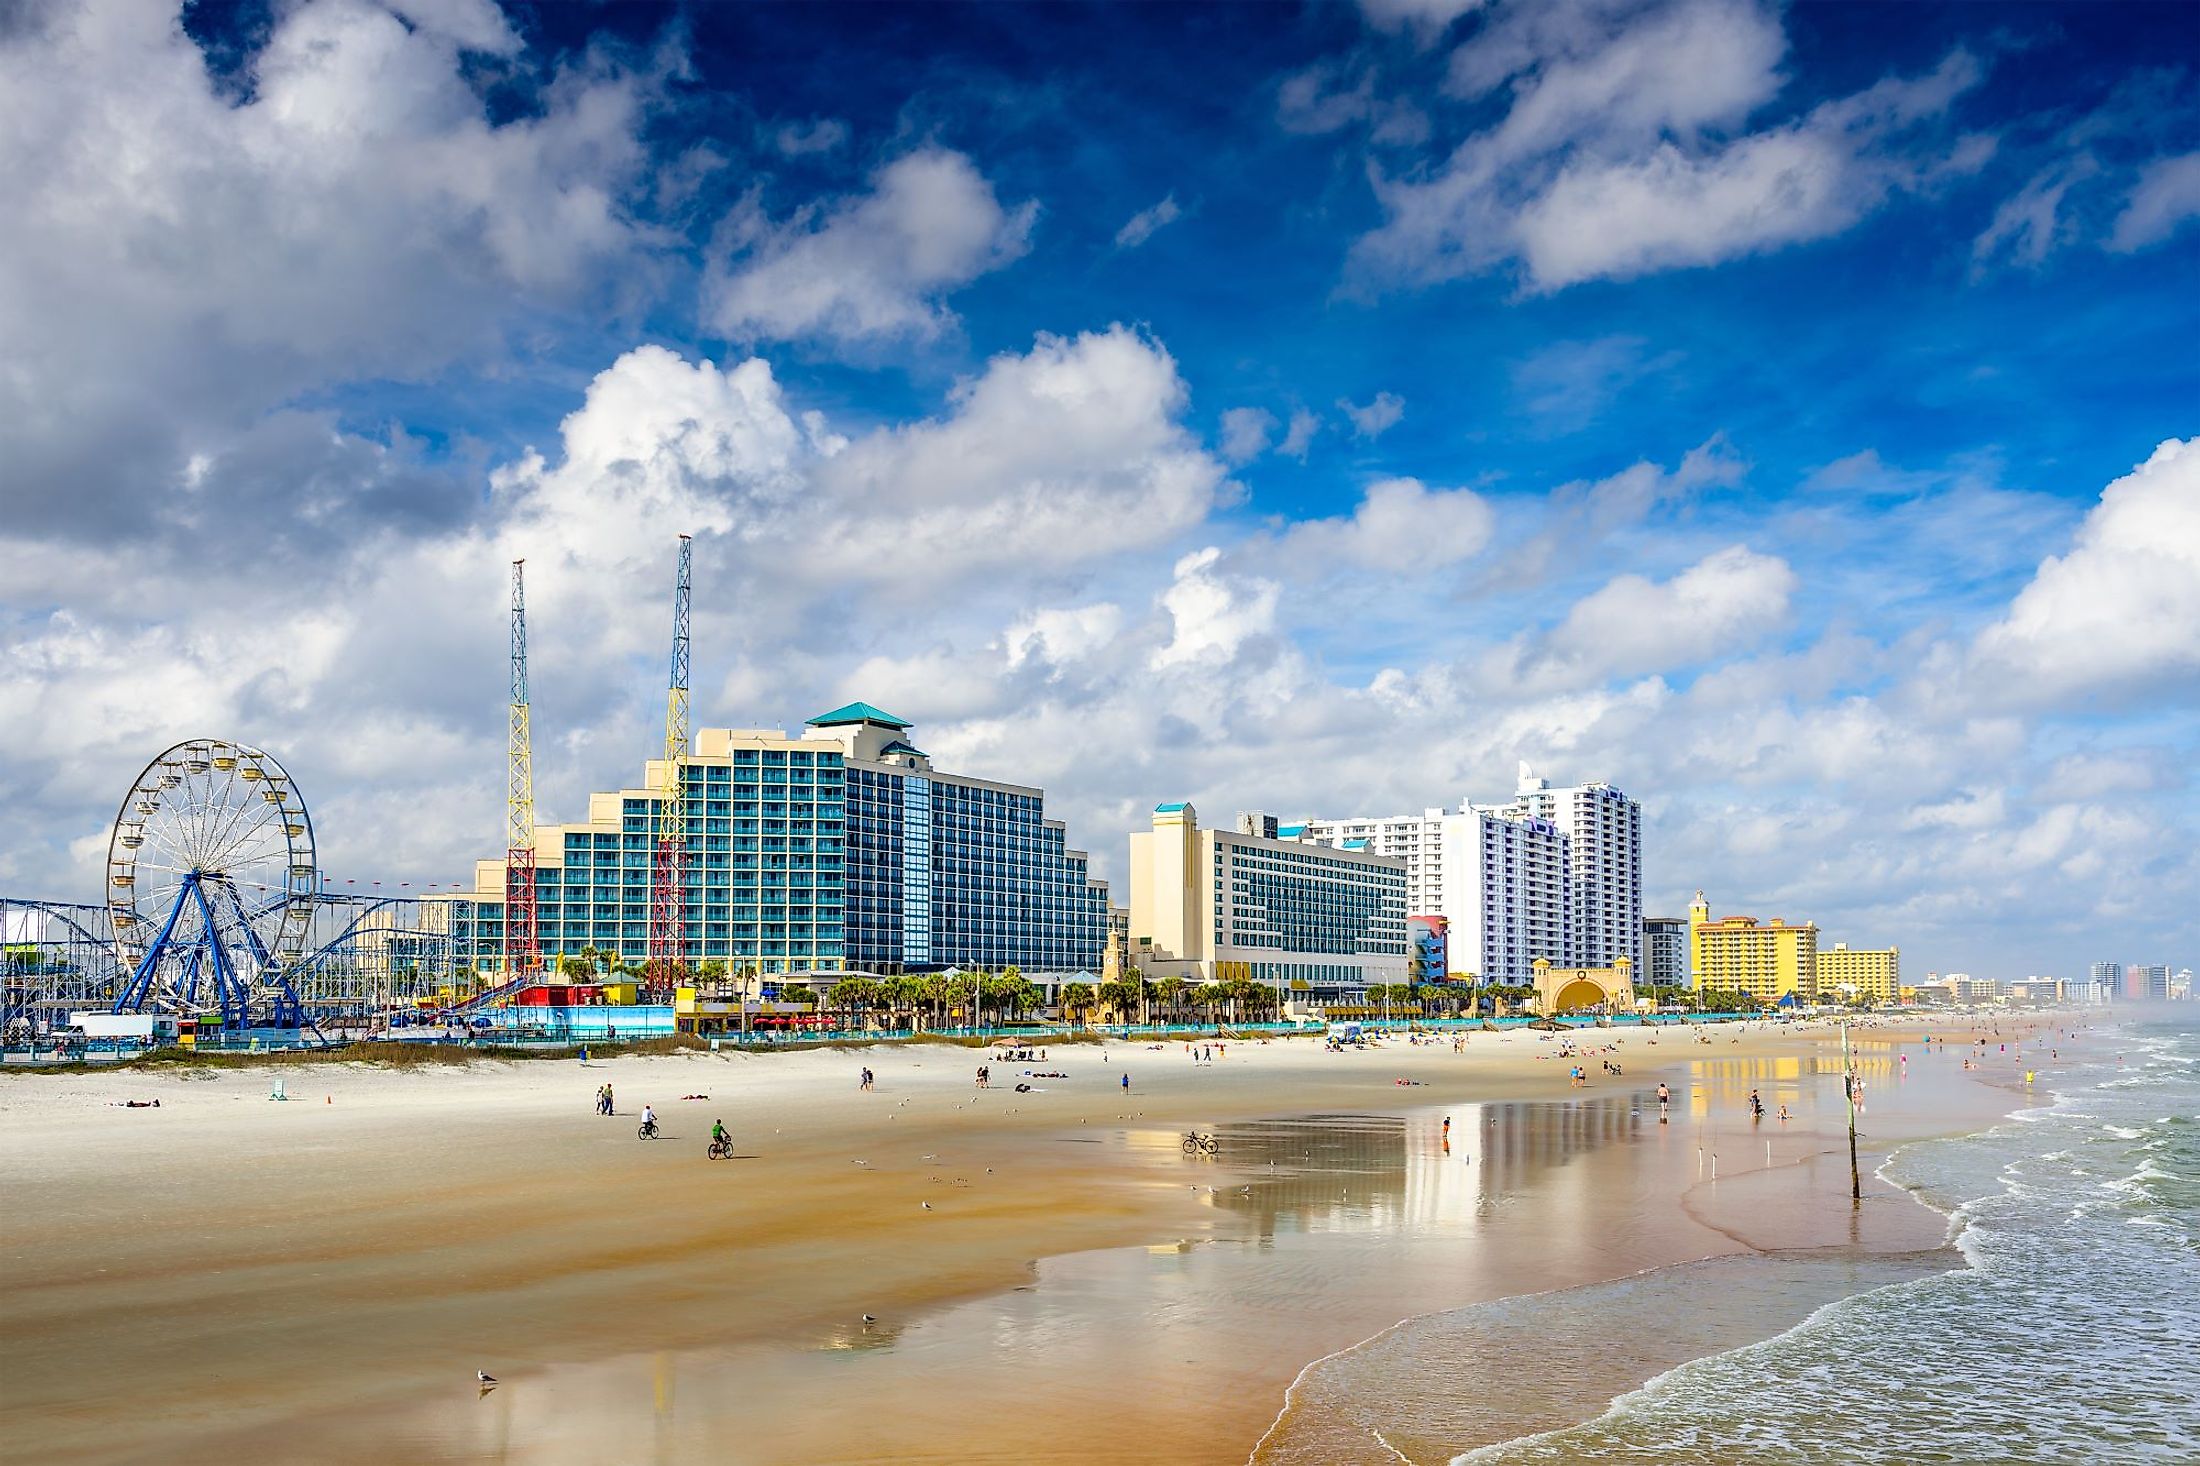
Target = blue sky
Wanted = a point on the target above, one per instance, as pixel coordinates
(1775, 410)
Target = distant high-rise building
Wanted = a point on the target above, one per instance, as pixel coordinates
(1317, 924)
(1665, 951)
(1768, 960)
(1554, 874)
(1603, 829)
(2108, 981)
(1509, 899)
(1863, 975)
(2147, 982)
(1416, 839)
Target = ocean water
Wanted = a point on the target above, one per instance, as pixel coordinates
(2073, 1335)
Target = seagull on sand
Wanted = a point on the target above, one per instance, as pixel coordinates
(487, 1379)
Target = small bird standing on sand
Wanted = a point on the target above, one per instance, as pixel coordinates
(487, 1379)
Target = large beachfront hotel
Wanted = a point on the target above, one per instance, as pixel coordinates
(1768, 960)
(841, 849)
(1315, 923)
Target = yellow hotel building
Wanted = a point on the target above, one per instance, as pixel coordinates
(1766, 959)
(1864, 975)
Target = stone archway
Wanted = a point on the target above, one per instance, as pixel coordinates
(1577, 989)
(1580, 994)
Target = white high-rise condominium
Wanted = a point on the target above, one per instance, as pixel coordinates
(1416, 839)
(1509, 900)
(1514, 881)
(1603, 830)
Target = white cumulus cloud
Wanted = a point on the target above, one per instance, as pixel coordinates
(1401, 527)
(1723, 604)
(1626, 149)
(869, 267)
(2120, 612)
(1213, 612)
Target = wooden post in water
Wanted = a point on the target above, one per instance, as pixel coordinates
(1848, 1087)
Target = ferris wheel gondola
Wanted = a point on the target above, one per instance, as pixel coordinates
(211, 881)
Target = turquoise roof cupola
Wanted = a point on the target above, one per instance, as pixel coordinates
(857, 712)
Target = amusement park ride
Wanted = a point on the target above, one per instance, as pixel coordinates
(215, 903)
(210, 886)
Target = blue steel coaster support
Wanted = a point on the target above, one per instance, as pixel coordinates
(235, 999)
(137, 988)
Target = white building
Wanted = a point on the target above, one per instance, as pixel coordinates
(1603, 829)
(1416, 839)
(1513, 881)
(1509, 897)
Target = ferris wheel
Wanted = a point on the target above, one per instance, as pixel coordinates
(210, 884)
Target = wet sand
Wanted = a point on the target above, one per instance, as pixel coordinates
(327, 1274)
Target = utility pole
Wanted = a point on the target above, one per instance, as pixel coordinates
(522, 950)
(1848, 1087)
(668, 871)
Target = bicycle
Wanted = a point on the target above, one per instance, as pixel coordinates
(1197, 1144)
(647, 1130)
(720, 1150)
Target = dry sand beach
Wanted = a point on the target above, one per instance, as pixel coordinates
(1049, 1276)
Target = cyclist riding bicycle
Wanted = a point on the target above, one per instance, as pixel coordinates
(717, 1132)
(649, 1117)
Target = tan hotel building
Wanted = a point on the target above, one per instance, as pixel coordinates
(1316, 922)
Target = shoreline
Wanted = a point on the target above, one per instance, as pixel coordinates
(1073, 1199)
(2003, 1100)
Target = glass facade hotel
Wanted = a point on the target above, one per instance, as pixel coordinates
(838, 850)
(1312, 921)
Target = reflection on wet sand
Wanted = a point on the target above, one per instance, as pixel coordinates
(1325, 1229)
(1377, 1172)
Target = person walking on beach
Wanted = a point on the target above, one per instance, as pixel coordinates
(1665, 1102)
(1756, 1106)
(610, 1106)
(1126, 1082)
(865, 1081)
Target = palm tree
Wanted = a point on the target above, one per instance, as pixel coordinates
(855, 994)
(901, 995)
(1077, 998)
(1171, 992)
